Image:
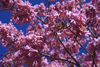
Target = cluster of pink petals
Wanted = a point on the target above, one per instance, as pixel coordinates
(23, 12)
(7, 33)
(6, 3)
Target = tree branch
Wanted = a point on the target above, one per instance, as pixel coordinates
(83, 46)
(57, 58)
(67, 50)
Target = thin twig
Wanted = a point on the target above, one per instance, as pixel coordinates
(7, 65)
(44, 2)
(92, 32)
(40, 19)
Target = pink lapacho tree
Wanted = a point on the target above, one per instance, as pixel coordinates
(58, 33)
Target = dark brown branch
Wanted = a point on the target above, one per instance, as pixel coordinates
(83, 46)
(67, 50)
(57, 58)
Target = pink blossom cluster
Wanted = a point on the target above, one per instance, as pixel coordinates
(56, 35)
(23, 12)
(5, 3)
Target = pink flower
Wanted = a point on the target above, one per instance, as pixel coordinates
(54, 13)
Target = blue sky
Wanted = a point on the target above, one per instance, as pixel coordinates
(5, 17)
